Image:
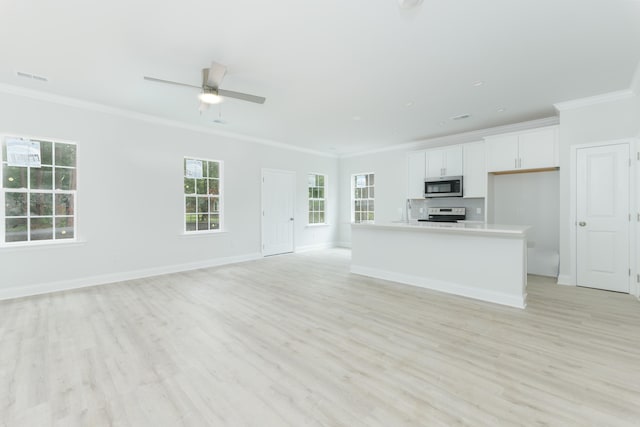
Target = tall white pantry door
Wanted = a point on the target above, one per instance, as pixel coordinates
(278, 191)
(603, 221)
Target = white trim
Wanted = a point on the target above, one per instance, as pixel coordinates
(459, 138)
(65, 285)
(295, 181)
(572, 279)
(315, 247)
(443, 286)
(53, 191)
(594, 100)
(93, 106)
(352, 184)
(343, 244)
(220, 196)
(635, 82)
(564, 279)
(324, 199)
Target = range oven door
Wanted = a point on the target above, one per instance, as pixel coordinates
(446, 186)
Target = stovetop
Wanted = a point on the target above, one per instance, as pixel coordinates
(445, 215)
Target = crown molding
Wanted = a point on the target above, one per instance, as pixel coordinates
(459, 138)
(594, 100)
(121, 112)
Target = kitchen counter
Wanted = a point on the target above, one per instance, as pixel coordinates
(452, 227)
(476, 260)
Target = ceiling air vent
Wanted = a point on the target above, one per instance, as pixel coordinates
(31, 76)
(461, 117)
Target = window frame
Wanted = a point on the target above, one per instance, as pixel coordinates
(317, 199)
(219, 196)
(28, 191)
(367, 199)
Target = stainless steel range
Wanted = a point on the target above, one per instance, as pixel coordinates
(445, 214)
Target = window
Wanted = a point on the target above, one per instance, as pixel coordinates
(362, 207)
(38, 190)
(202, 195)
(317, 199)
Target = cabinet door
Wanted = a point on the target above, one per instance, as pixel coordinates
(474, 181)
(502, 153)
(435, 163)
(539, 149)
(416, 165)
(453, 161)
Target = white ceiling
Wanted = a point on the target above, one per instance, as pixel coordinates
(322, 63)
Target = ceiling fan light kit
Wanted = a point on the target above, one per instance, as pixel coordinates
(210, 97)
(211, 92)
(408, 4)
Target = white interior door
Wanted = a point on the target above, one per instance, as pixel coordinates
(278, 191)
(603, 217)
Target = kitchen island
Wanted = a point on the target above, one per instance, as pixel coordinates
(482, 261)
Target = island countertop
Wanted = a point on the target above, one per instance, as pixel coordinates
(468, 228)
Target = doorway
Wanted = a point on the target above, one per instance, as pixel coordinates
(278, 208)
(603, 217)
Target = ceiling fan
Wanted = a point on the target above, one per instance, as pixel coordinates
(210, 87)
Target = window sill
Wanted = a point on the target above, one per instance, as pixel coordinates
(202, 233)
(42, 244)
(317, 225)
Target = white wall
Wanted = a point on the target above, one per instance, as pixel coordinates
(390, 169)
(605, 121)
(130, 200)
(531, 199)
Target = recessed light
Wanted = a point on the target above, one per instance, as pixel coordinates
(441, 123)
(409, 104)
(357, 118)
(478, 83)
(501, 110)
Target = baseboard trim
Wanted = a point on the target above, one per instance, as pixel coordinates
(443, 286)
(307, 248)
(564, 279)
(66, 285)
(346, 245)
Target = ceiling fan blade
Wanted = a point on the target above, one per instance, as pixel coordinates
(242, 96)
(153, 79)
(215, 74)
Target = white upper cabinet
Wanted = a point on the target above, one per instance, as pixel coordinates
(539, 149)
(535, 149)
(444, 162)
(416, 165)
(502, 152)
(475, 171)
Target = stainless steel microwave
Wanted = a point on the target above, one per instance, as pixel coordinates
(444, 186)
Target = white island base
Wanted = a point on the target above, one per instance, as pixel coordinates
(481, 261)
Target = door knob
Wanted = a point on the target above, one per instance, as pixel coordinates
(582, 223)
(290, 219)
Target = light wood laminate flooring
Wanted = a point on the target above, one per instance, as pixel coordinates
(296, 340)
